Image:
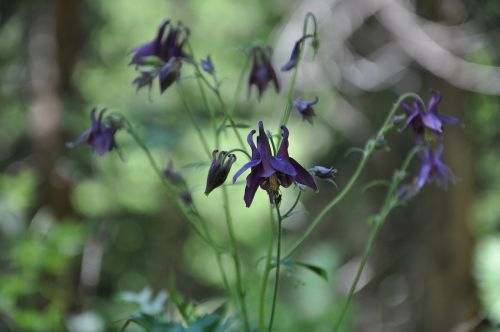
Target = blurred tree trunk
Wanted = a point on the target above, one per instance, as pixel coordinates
(451, 295)
(53, 43)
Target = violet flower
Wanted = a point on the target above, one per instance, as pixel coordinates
(164, 54)
(420, 119)
(262, 72)
(433, 168)
(101, 136)
(219, 170)
(270, 172)
(207, 65)
(305, 108)
(294, 57)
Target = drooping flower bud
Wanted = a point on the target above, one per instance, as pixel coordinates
(219, 169)
(325, 173)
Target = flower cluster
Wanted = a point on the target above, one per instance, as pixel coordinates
(162, 57)
(427, 124)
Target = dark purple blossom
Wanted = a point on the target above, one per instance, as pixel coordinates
(174, 176)
(101, 136)
(433, 168)
(325, 173)
(305, 108)
(421, 119)
(163, 56)
(219, 169)
(294, 57)
(262, 72)
(270, 172)
(207, 65)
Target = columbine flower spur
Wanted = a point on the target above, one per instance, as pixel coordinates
(270, 172)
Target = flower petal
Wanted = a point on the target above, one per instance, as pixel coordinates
(434, 101)
(303, 176)
(253, 182)
(251, 163)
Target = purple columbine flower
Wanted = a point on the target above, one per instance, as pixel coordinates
(305, 108)
(262, 71)
(270, 172)
(294, 57)
(219, 169)
(207, 65)
(164, 55)
(433, 168)
(420, 119)
(101, 136)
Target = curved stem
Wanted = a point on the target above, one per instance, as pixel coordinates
(278, 264)
(216, 91)
(242, 151)
(391, 201)
(267, 270)
(361, 267)
(290, 210)
(193, 121)
(189, 216)
(234, 254)
(368, 150)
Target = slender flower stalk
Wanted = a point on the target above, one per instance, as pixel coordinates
(267, 270)
(278, 264)
(392, 201)
(367, 151)
(289, 99)
(240, 292)
(216, 91)
(202, 138)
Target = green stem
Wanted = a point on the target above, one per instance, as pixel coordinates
(242, 151)
(368, 150)
(193, 120)
(391, 201)
(267, 271)
(289, 102)
(189, 216)
(366, 254)
(290, 210)
(278, 264)
(216, 91)
(234, 254)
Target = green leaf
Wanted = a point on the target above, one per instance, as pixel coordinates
(318, 270)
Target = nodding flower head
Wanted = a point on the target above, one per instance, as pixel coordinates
(270, 172)
(433, 168)
(163, 56)
(262, 72)
(101, 136)
(305, 108)
(294, 57)
(325, 173)
(427, 120)
(219, 169)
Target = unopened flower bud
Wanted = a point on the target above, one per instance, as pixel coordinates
(219, 169)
